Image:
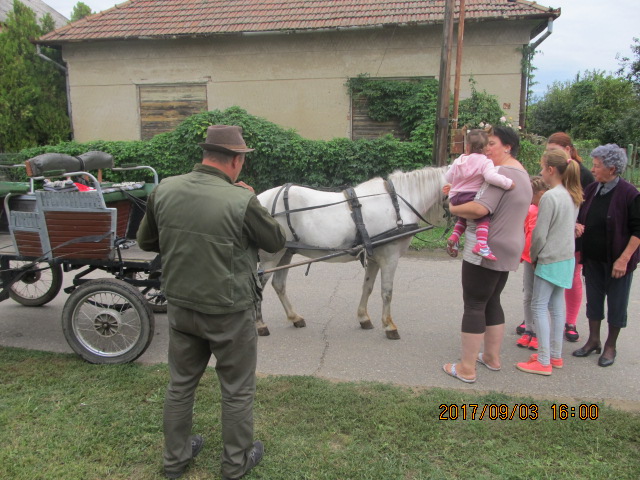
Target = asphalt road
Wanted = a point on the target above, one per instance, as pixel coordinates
(427, 310)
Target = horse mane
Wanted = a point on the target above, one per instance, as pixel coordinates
(422, 187)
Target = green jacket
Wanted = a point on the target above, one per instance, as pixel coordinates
(208, 233)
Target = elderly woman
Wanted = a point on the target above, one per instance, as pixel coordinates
(609, 221)
(483, 280)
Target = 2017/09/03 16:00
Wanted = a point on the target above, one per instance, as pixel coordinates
(493, 411)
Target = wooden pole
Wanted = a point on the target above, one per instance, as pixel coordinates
(442, 120)
(456, 88)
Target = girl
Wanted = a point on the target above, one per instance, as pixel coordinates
(573, 295)
(467, 174)
(552, 253)
(529, 339)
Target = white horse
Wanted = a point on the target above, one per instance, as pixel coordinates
(330, 226)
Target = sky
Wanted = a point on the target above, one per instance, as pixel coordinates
(587, 36)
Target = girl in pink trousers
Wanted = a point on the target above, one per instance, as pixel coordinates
(466, 175)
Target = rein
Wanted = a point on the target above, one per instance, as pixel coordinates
(356, 208)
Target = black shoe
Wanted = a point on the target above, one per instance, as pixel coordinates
(583, 352)
(606, 362)
(254, 459)
(571, 333)
(197, 442)
(521, 328)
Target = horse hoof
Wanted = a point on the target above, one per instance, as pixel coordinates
(300, 323)
(264, 331)
(393, 335)
(367, 325)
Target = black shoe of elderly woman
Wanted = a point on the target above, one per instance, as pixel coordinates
(585, 352)
(607, 362)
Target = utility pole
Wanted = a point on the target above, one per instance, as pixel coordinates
(442, 120)
(456, 83)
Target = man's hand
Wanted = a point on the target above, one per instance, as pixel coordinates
(244, 185)
(579, 230)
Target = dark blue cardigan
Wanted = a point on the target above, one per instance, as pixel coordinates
(618, 232)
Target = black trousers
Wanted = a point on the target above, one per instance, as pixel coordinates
(481, 290)
(600, 285)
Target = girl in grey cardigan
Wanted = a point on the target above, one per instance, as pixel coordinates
(552, 253)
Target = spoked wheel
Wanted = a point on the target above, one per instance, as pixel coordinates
(38, 285)
(107, 321)
(156, 299)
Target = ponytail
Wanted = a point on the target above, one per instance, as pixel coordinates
(571, 181)
(569, 171)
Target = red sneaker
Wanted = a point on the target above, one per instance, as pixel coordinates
(555, 362)
(524, 340)
(534, 367)
(533, 344)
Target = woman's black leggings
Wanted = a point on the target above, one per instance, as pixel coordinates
(481, 289)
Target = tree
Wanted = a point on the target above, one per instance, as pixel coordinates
(594, 106)
(479, 109)
(80, 10)
(33, 105)
(630, 68)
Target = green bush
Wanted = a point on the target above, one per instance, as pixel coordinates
(281, 155)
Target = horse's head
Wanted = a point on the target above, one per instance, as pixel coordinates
(422, 187)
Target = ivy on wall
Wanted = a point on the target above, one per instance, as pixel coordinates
(413, 103)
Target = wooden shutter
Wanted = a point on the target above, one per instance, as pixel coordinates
(163, 107)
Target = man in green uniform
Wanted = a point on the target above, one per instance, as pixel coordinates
(208, 230)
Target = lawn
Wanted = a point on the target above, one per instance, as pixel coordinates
(61, 418)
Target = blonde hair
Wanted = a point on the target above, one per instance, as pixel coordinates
(569, 171)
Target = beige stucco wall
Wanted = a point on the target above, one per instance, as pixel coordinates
(295, 80)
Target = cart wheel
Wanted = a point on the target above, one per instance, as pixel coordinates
(107, 321)
(156, 299)
(38, 286)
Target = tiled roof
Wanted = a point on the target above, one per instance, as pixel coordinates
(191, 18)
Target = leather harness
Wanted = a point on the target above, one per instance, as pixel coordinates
(362, 236)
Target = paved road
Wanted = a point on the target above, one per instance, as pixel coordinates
(427, 309)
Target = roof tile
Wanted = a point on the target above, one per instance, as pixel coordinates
(161, 18)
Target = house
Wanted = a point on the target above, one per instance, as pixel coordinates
(141, 67)
(39, 7)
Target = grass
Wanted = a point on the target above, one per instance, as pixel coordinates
(61, 418)
(433, 239)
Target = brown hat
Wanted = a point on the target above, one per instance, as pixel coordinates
(225, 138)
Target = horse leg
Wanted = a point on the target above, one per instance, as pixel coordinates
(367, 287)
(388, 271)
(279, 284)
(262, 328)
(267, 261)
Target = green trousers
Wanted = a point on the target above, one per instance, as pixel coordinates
(233, 340)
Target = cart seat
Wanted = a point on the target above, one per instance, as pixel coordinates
(69, 225)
